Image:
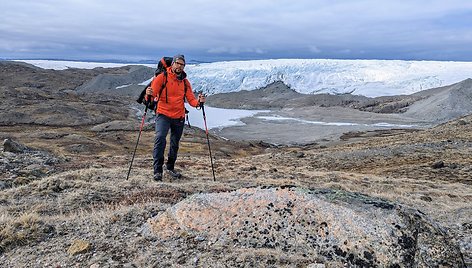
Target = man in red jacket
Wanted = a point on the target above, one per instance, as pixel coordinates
(170, 89)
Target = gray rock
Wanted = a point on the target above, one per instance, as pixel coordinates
(3, 185)
(12, 146)
(438, 164)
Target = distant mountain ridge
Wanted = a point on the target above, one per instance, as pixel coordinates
(124, 84)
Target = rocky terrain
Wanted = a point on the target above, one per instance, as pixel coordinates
(385, 198)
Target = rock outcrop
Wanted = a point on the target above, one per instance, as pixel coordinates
(21, 164)
(331, 227)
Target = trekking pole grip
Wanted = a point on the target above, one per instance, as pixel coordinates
(200, 104)
(149, 101)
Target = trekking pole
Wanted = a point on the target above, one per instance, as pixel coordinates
(208, 140)
(139, 135)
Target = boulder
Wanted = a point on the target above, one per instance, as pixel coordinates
(332, 227)
(12, 146)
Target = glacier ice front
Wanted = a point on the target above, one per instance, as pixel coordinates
(370, 78)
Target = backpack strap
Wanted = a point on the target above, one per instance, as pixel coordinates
(163, 86)
(185, 94)
(185, 87)
(164, 63)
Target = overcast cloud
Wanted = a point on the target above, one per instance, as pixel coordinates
(227, 30)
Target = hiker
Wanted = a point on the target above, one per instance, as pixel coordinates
(169, 89)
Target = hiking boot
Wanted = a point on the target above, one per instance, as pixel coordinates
(157, 177)
(174, 174)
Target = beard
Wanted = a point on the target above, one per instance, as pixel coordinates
(177, 70)
(180, 74)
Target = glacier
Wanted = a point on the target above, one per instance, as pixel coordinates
(371, 78)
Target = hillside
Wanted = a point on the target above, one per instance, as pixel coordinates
(445, 103)
(65, 201)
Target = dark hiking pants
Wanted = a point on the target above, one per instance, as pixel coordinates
(163, 124)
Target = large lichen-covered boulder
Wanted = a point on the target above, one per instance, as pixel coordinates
(331, 227)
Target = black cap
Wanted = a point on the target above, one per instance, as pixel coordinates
(178, 57)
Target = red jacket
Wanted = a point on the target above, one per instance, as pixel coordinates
(171, 101)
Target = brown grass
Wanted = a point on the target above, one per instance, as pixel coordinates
(19, 230)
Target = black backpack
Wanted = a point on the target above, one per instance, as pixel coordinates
(161, 68)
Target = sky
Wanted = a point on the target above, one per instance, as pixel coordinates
(216, 30)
